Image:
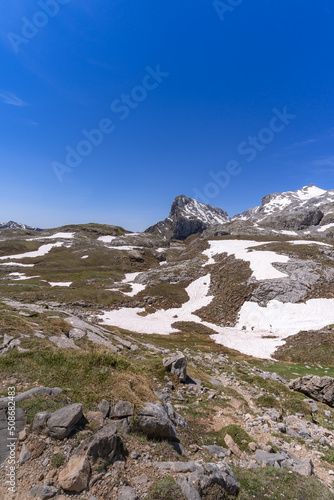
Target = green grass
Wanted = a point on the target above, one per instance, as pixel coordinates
(166, 489)
(90, 376)
(276, 484)
(239, 436)
(57, 460)
(40, 403)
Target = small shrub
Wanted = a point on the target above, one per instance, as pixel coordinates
(57, 460)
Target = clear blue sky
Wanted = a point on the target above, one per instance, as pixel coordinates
(227, 72)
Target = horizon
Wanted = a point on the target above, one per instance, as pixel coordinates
(142, 230)
(109, 112)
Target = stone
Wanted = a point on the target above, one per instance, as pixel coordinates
(219, 451)
(154, 421)
(39, 422)
(319, 388)
(75, 475)
(252, 446)
(269, 459)
(127, 493)
(305, 468)
(194, 477)
(313, 404)
(140, 480)
(23, 435)
(43, 492)
(121, 409)
(281, 427)
(103, 444)
(62, 422)
(175, 417)
(24, 455)
(96, 417)
(104, 408)
(232, 446)
(177, 365)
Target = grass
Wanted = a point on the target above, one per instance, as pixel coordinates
(89, 376)
(274, 484)
(40, 403)
(328, 456)
(166, 489)
(57, 460)
(239, 436)
(312, 347)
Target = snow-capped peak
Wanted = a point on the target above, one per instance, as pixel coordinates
(188, 208)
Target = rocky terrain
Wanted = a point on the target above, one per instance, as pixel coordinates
(194, 360)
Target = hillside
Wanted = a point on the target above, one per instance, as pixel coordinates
(90, 313)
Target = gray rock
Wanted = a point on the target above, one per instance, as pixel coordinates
(177, 365)
(313, 404)
(216, 450)
(305, 468)
(121, 409)
(104, 408)
(319, 388)
(103, 444)
(281, 427)
(193, 477)
(60, 423)
(43, 492)
(40, 420)
(127, 493)
(154, 421)
(24, 455)
(175, 417)
(269, 459)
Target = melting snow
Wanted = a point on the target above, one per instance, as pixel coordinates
(161, 321)
(43, 250)
(65, 236)
(260, 261)
(59, 283)
(324, 228)
(106, 239)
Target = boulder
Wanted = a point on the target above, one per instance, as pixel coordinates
(75, 475)
(305, 468)
(121, 414)
(43, 492)
(269, 459)
(103, 444)
(60, 423)
(127, 493)
(177, 365)
(193, 477)
(154, 421)
(319, 388)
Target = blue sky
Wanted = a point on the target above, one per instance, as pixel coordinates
(203, 81)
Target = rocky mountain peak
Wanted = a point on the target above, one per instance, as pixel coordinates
(188, 216)
(16, 225)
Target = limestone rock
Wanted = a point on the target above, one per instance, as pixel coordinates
(154, 421)
(75, 475)
(60, 423)
(177, 365)
(127, 493)
(103, 444)
(43, 492)
(232, 446)
(319, 388)
(24, 455)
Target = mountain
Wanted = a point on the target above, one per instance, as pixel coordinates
(309, 206)
(188, 216)
(17, 225)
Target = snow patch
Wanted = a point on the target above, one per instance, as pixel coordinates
(43, 250)
(260, 261)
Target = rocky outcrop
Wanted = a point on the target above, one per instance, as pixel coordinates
(60, 423)
(154, 421)
(194, 478)
(319, 388)
(121, 414)
(177, 365)
(103, 444)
